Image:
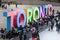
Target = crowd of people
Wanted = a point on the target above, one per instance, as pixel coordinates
(15, 32)
(32, 27)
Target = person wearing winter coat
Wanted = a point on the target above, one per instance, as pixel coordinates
(58, 26)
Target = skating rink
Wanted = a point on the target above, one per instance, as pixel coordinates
(49, 35)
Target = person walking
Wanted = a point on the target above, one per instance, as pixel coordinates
(52, 23)
(16, 5)
(58, 26)
(20, 30)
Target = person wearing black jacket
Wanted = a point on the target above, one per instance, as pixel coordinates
(9, 34)
(21, 32)
(35, 24)
(2, 32)
(58, 26)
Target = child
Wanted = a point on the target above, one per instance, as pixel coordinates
(34, 33)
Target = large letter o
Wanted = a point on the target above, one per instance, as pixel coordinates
(21, 18)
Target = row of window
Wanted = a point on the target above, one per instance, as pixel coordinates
(58, 1)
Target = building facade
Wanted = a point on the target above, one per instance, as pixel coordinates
(33, 2)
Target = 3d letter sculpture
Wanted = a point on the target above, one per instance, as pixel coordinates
(24, 16)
